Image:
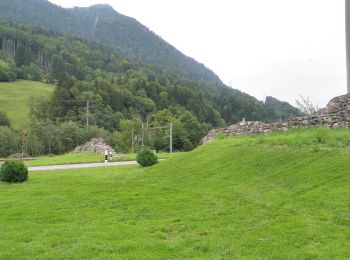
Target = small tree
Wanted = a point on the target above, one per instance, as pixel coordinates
(146, 158)
(13, 171)
(306, 106)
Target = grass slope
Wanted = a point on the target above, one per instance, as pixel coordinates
(15, 98)
(285, 196)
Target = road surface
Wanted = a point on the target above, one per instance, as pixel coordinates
(78, 166)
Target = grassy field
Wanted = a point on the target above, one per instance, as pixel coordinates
(71, 158)
(284, 196)
(15, 98)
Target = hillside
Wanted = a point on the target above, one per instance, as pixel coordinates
(15, 99)
(135, 42)
(103, 24)
(284, 196)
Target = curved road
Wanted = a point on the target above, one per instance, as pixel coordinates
(78, 166)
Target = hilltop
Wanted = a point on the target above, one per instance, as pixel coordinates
(283, 196)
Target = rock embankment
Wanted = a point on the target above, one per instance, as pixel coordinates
(335, 115)
(97, 145)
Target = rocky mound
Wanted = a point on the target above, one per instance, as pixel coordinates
(97, 145)
(335, 115)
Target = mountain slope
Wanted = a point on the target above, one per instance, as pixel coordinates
(284, 196)
(103, 24)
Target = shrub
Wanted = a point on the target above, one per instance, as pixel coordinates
(146, 158)
(13, 171)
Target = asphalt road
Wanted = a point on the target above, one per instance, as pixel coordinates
(78, 166)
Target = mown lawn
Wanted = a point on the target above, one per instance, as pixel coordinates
(15, 98)
(72, 158)
(285, 196)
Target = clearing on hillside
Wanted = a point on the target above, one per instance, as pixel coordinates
(284, 196)
(15, 98)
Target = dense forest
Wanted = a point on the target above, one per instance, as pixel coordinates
(102, 91)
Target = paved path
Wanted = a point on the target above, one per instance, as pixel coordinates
(78, 166)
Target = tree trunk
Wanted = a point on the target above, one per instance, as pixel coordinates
(347, 21)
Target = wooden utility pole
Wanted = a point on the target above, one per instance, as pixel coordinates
(347, 25)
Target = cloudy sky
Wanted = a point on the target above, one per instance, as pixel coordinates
(280, 48)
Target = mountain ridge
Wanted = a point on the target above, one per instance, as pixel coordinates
(80, 21)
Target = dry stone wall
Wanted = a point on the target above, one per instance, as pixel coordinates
(335, 115)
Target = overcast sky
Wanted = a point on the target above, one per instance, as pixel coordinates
(280, 48)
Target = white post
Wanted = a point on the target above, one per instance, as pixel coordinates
(106, 156)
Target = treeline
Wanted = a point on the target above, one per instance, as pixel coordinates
(46, 137)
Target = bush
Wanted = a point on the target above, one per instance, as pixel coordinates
(13, 171)
(146, 158)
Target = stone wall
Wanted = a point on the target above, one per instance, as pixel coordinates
(335, 115)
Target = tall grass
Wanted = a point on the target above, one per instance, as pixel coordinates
(297, 137)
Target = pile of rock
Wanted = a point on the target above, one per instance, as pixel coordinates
(97, 145)
(335, 115)
(251, 127)
(212, 135)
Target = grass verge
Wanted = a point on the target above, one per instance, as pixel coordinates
(72, 158)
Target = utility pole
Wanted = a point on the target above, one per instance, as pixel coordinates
(132, 139)
(149, 132)
(347, 26)
(171, 137)
(142, 135)
(87, 113)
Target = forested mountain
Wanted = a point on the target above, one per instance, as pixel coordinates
(102, 24)
(132, 40)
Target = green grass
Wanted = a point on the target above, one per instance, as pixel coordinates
(15, 98)
(68, 158)
(284, 196)
(71, 158)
